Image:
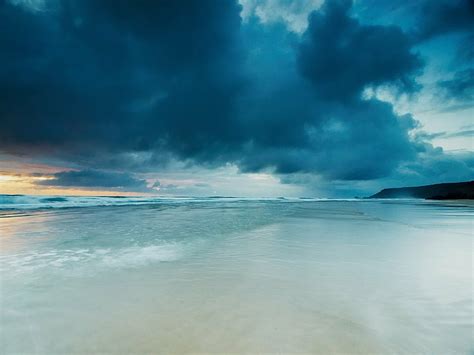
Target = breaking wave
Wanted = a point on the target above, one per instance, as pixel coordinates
(29, 202)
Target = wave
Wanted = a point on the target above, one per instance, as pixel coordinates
(32, 202)
(28, 202)
(109, 258)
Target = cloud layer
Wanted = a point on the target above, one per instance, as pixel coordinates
(132, 85)
(96, 179)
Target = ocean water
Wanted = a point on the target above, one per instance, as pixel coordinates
(226, 275)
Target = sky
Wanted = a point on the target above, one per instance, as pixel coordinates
(312, 98)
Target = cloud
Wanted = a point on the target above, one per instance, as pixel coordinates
(158, 186)
(454, 18)
(114, 75)
(460, 133)
(96, 179)
(341, 57)
(434, 165)
(445, 16)
(345, 136)
(293, 13)
(131, 86)
(365, 140)
(460, 87)
(183, 188)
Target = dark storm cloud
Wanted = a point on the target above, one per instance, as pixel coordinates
(96, 179)
(434, 165)
(131, 84)
(294, 128)
(341, 57)
(118, 74)
(344, 136)
(456, 18)
(445, 16)
(460, 87)
(449, 17)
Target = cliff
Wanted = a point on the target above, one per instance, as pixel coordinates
(447, 191)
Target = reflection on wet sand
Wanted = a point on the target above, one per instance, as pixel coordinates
(239, 276)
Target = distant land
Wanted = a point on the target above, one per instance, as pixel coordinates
(447, 191)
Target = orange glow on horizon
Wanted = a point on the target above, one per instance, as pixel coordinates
(12, 184)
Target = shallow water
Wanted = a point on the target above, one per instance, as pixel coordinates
(240, 276)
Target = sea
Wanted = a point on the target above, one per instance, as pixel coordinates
(222, 275)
